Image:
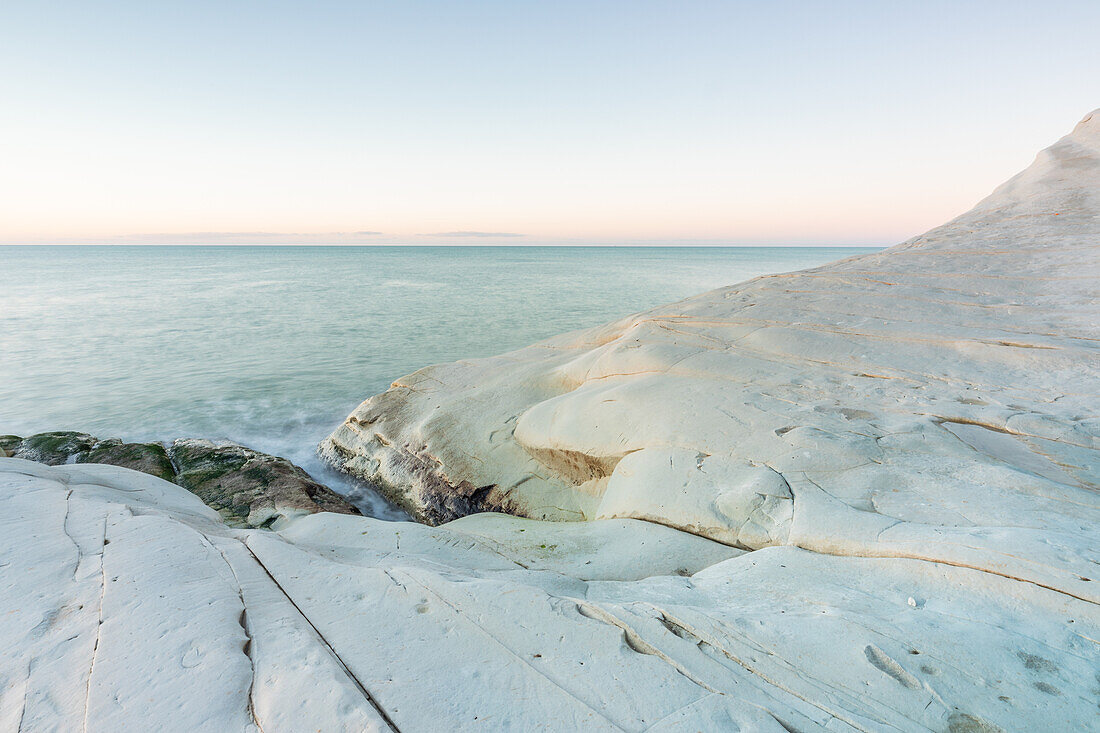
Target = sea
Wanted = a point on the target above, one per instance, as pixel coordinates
(272, 346)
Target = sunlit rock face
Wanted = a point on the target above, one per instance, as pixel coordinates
(907, 441)
(856, 498)
(937, 400)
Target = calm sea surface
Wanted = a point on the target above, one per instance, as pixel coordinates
(273, 346)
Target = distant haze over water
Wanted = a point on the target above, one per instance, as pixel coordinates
(273, 346)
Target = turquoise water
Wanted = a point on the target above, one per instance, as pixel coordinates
(273, 346)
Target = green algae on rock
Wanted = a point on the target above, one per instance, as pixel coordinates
(8, 444)
(66, 446)
(149, 458)
(55, 448)
(249, 488)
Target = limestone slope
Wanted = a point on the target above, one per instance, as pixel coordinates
(127, 604)
(879, 480)
(937, 400)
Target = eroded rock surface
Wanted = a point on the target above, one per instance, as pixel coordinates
(908, 442)
(129, 605)
(937, 401)
(149, 458)
(248, 488)
(53, 448)
(8, 444)
(857, 498)
(59, 447)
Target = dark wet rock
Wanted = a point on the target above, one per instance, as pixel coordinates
(149, 458)
(249, 488)
(56, 448)
(8, 444)
(59, 447)
(435, 499)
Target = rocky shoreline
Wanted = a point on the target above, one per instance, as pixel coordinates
(860, 497)
(246, 487)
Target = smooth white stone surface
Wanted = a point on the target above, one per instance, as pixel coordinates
(937, 400)
(907, 441)
(948, 381)
(210, 628)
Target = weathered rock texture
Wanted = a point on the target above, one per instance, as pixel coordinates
(129, 605)
(8, 444)
(937, 400)
(54, 448)
(921, 423)
(248, 488)
(907, 442)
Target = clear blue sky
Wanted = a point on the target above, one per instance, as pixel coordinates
(570, 122)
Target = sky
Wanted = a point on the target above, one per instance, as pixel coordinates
(520, 122)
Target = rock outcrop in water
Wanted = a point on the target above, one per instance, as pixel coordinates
(248, 488)
(53, 448)
(879, 476)
(8, 445)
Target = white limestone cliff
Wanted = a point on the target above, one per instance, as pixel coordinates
(937, 400)
(861, 497)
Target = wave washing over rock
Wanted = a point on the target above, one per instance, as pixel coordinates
(858, 497)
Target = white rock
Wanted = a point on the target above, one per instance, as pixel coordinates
(676, 487)
(607, 549)
(932, 401)
(350, 623)
(123, 599)
(911, 425)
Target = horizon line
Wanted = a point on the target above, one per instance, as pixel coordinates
(470, 245)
